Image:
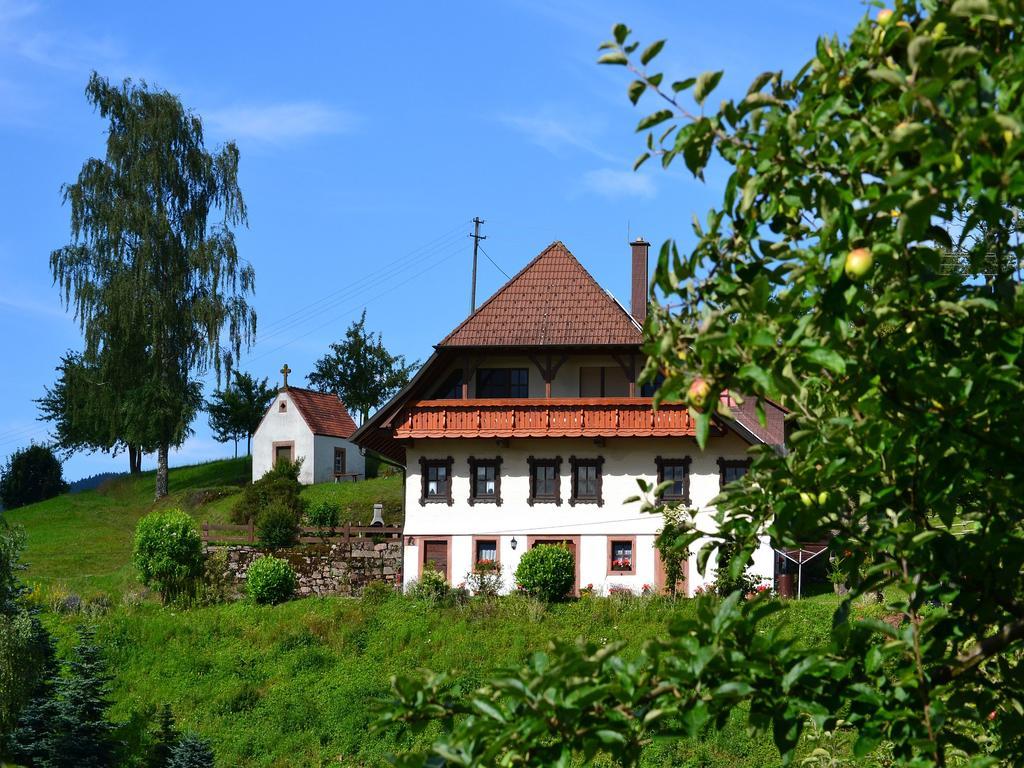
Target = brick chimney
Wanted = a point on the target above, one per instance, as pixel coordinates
(638, 292)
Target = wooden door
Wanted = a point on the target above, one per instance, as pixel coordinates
(436, 552)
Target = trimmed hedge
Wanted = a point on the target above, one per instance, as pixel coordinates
(547, 572)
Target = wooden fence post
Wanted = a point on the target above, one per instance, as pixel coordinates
(206, 533)
(252, 534)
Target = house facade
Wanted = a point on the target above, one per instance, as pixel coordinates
(528, 426)
(312, 426)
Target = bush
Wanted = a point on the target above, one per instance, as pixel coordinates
(377, 592)
(547, 572)
(30, 475)
(277, 526)
(725, 584)
(270, 580)
(217, 584)
(484, 580)
(324, 514)
(279, 485)
(168, 552)
(431, 586)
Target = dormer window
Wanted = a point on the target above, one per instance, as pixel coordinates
(502, 382)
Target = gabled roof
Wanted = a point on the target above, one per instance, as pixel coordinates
(323, 412)
(552, 301)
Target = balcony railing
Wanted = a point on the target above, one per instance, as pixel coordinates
(553, 417)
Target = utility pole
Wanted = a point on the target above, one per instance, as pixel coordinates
(477, 237)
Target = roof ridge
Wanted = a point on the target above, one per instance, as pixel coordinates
(547, 334)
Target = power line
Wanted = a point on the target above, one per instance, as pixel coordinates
(352, 289)
(429, 245)
(350, 311)
(506, 274)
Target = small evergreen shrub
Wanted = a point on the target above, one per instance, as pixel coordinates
(280, 484)
(547, 572)
(168, 552)
(270, 580)
(277, 526)
(30, 475)
(323, 514)
(191, 752)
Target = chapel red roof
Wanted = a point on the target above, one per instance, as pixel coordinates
(552, 301)
(324, 413)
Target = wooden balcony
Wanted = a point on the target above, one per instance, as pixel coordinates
(554, 417)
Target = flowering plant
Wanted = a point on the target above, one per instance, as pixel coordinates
(486, 564)
(621, 564)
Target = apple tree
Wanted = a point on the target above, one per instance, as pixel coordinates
(863, 269)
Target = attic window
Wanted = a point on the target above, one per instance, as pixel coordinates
(282, 406)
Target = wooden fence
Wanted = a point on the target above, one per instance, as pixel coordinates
(220, 533)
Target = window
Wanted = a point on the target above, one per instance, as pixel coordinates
(436, 481)
(586, 480)
(339, 461)
(676, 471)
(620, 556)
(648, 389)
(485, 481)
(451, 387)
(485, 554)
(730, 470)
(283, 452)
(502, 382)
(545, 483)
(282, 406)
(603, 382)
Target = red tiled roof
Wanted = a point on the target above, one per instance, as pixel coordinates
(553, 301)
(324, 413)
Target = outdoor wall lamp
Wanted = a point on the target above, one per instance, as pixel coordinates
(514, 543)
(410, 541)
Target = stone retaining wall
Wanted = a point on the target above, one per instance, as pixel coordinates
(326, 569)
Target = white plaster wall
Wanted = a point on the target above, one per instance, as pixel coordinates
(323, 458)
(625, 459)
(279, 427)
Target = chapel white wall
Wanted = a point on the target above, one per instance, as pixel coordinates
(278, 427)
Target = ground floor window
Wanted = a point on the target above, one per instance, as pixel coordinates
(339, 461)
(485, 554)
(283, 452)
(621, 556)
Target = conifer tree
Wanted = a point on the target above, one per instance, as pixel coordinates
(191, 752)
(236, 411)
(66, 727)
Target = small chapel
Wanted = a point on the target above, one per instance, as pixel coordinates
(312, 426)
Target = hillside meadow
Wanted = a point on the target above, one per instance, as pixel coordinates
(299, 684)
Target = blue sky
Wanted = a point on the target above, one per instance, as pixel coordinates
(370, 134)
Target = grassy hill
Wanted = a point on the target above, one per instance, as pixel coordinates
(83, 541)
(297, 684)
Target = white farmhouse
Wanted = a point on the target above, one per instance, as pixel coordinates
(527, 426)
(312, 426)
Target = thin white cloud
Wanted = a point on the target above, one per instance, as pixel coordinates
(556, 133)
(33, 307)
(276, 123)
(614, 184)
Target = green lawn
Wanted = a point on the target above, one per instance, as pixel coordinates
(83, 541)
(296, 684)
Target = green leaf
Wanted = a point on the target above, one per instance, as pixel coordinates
(758, 375)
(636, 90)
(826, 358)
(682, 85)
(620, 32)
(615, 57)
(654, 119)
(652, 50)
(641, 160)
(706, 84)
